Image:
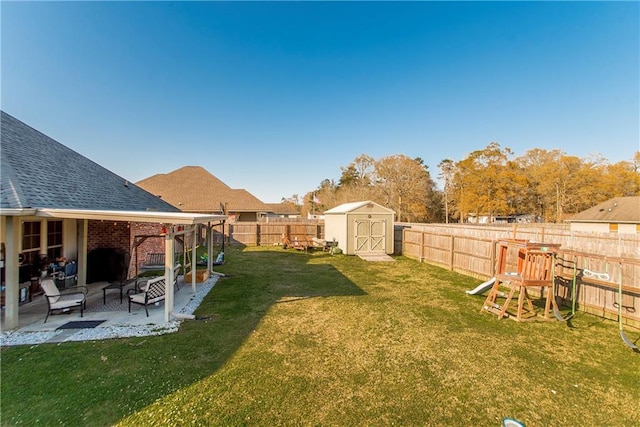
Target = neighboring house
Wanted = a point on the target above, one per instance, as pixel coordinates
(56, 203)
(502, 219)
(282, 210)
(515, 218)
(617, 215)
(194, 189)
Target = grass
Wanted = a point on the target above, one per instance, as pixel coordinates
(313, 339)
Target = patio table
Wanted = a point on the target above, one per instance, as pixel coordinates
(120, 284)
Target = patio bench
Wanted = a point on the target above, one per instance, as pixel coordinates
(154, 261)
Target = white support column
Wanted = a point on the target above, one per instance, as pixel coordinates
(83, 248)
(169, 262)
(194, 263)
(12, 291)
(44, 237)
(209, 248)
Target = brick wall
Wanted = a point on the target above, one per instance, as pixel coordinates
(154, 244)
(121, 235)
(108, 234)
(105, 234)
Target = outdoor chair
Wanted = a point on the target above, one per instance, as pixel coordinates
(56, 300)
(151, 293)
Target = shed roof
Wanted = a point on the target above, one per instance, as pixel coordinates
(39, 172)
(194, 189)
(618, 210)
(351, 206)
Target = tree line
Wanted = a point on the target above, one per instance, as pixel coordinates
(547, 184)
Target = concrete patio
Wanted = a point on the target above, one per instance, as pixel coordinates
(117, 322)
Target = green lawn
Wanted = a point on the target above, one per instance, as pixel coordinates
(314, 339)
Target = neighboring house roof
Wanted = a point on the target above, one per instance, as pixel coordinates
(39, 172)
(209, 195)
(617, 210)
(284, 208)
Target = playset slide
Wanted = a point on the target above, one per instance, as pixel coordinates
(482, 287)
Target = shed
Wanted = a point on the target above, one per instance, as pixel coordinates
(360, 227)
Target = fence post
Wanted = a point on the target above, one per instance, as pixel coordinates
(493, 258)
(451, 255)
(422, 234)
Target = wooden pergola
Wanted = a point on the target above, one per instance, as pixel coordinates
(176, 223)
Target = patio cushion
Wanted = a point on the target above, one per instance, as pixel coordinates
(140, 299)
(63, 301)
(60, 301)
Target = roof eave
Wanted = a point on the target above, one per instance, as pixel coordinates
(17, 211)
(132, 216)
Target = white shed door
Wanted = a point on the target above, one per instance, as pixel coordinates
(370, 235)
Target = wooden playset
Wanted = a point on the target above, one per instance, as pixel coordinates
(534, 265)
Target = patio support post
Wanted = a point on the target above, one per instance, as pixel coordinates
(209, 248)
(169, 274)
(12, 235)
(83, 249)
(194, 263)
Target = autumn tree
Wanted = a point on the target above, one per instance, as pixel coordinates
(405, 186)
(447, 172)
(547, 183)
(481, 183)
(538, 166)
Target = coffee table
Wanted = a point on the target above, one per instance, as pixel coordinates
(120, 285)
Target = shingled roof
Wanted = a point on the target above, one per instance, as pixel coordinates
(39, 172)
(616, 210)
(179, 188)
(284, 208)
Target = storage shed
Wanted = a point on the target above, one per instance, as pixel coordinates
(360, 227)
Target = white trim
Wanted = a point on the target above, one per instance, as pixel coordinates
(17, 212)
(129, 216)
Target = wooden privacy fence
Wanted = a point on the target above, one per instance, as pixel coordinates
(598, 276)
(264, 234)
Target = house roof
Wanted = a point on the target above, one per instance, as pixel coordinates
(352, 206)
(194, 189)
(284, 208)
(39, 172)
(618, 210)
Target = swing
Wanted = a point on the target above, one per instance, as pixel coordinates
(556, 312)
(624, 337)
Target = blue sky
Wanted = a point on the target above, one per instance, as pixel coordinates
(274, 97)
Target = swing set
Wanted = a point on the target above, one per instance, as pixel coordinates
(540, 265)
(603, 279)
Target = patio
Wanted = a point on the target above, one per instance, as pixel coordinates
(117, 321)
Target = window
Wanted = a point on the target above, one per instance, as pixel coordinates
(54, 239)
(31, 241)
(31, 238)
